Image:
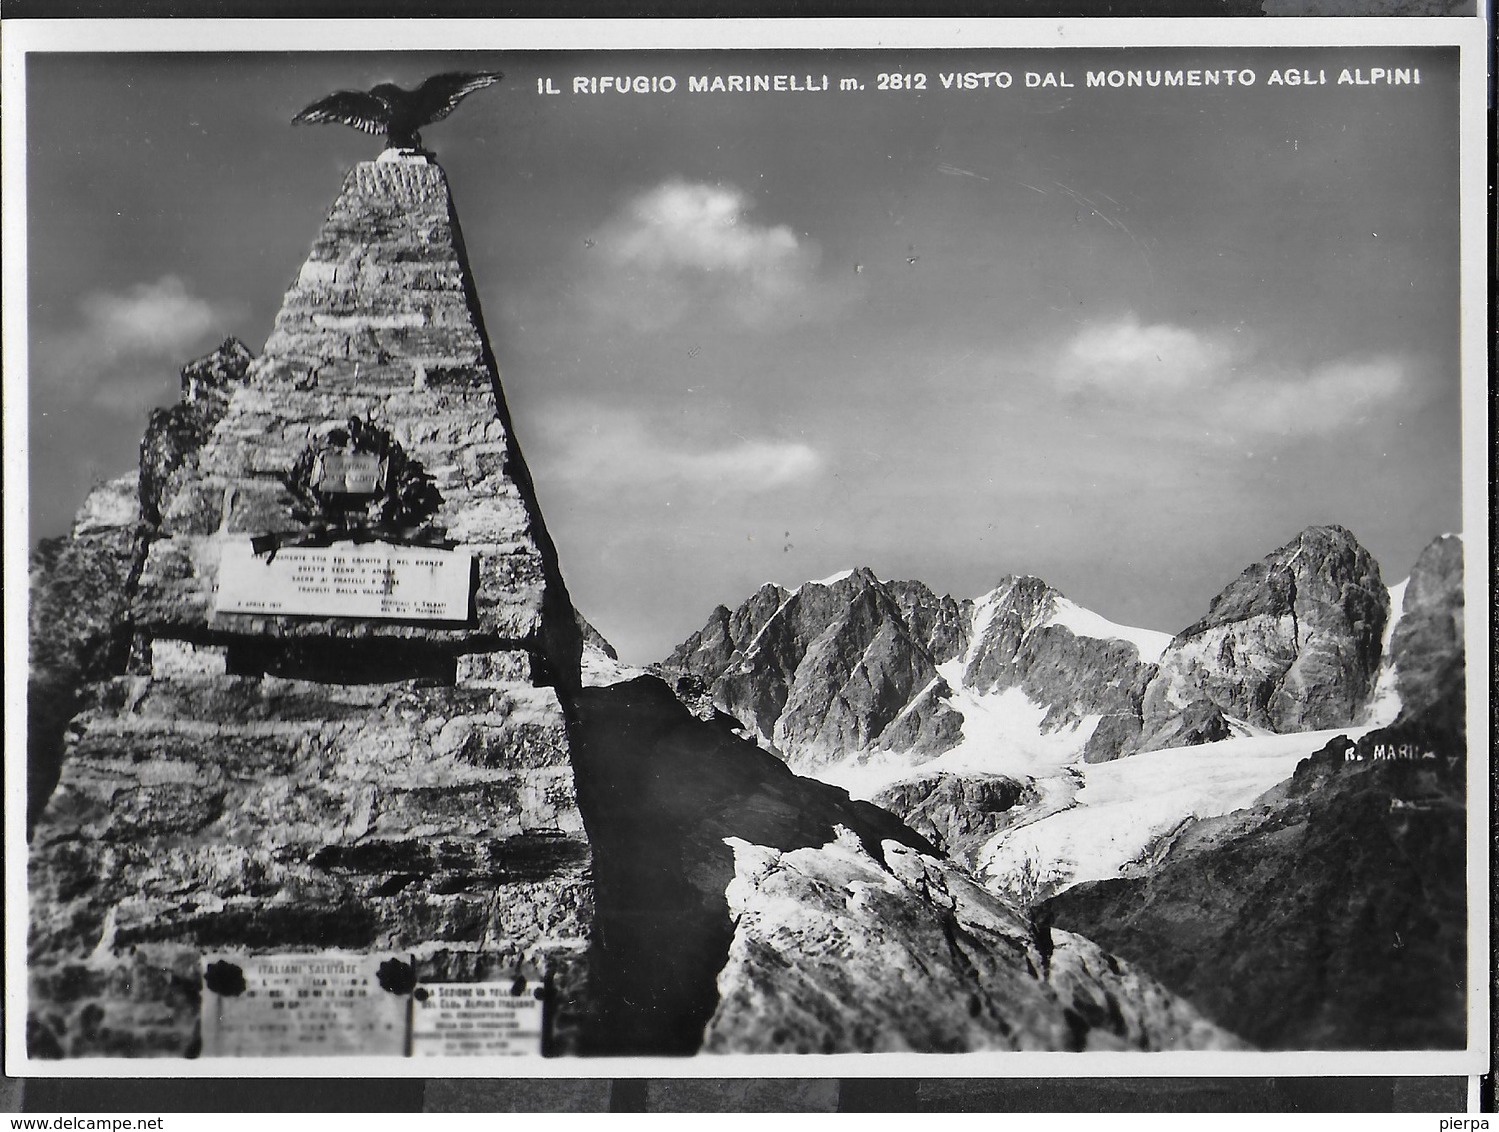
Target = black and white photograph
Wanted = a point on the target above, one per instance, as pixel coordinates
(537, 554)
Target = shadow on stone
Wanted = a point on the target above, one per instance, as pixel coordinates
(660, 790)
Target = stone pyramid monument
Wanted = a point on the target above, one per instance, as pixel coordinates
(336, 763)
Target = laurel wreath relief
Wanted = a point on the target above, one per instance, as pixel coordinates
(356, 483)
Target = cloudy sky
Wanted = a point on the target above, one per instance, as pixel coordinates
(1129, 340)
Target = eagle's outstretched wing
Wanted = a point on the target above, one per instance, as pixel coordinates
(438, 96)
(357, 108)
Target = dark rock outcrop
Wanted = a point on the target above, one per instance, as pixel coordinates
(1292, 644)
(1200, 721)
(174, 435)
(77, 626)
(956, 812)
(1428, 656)
(1331, 915)
(744, 909)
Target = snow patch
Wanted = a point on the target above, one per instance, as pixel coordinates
(1001, 735)
(985, 609)
(1150, 643)
(915, 701)
(1122, 808)
(600, 669)
(1384, 703)
(1397, 611)
(831, 579)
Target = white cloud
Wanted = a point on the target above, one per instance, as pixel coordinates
(124, 347)
(1126, 357)
(150, 319)
(754, 465)
(593, 446)
(704, 227)
(686, 249)
(1321, 400)
(1222, 381)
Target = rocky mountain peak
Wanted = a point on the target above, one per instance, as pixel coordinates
(854, 664)
(823, 670)
(1293, 643)
(212, 379)
(1025, 595)
(1327, 558)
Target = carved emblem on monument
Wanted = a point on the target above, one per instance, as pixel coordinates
(354, 484)
(356, 480)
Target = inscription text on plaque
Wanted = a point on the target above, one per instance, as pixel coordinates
(346, 580)
(299, 1005)
(476, 1020)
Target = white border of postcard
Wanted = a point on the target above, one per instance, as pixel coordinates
(1467, 33)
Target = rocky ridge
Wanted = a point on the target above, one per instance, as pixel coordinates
(1329, 915)
(745, 909)
(918, 701)
(834, 667)
(855, 665)
(1292, 644)
(956, 812)
(1426, 647)
(1336, 902)
(832, 945)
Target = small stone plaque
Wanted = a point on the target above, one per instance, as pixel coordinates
(372, 580)
(477, 1019)
(303, 1005)
(348, 473)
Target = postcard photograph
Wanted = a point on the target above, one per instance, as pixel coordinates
(588, 555)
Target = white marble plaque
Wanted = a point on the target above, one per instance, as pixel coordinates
(300, 1005)
(476, 1020)
(371, 580)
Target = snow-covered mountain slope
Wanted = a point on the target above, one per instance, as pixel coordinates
(1115, 813)
(855, 669)
(1002, 733)
(1149, 643)
(981, 721)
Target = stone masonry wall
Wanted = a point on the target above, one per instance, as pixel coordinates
(282, 784)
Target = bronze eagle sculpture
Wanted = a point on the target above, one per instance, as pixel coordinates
(395, 112)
